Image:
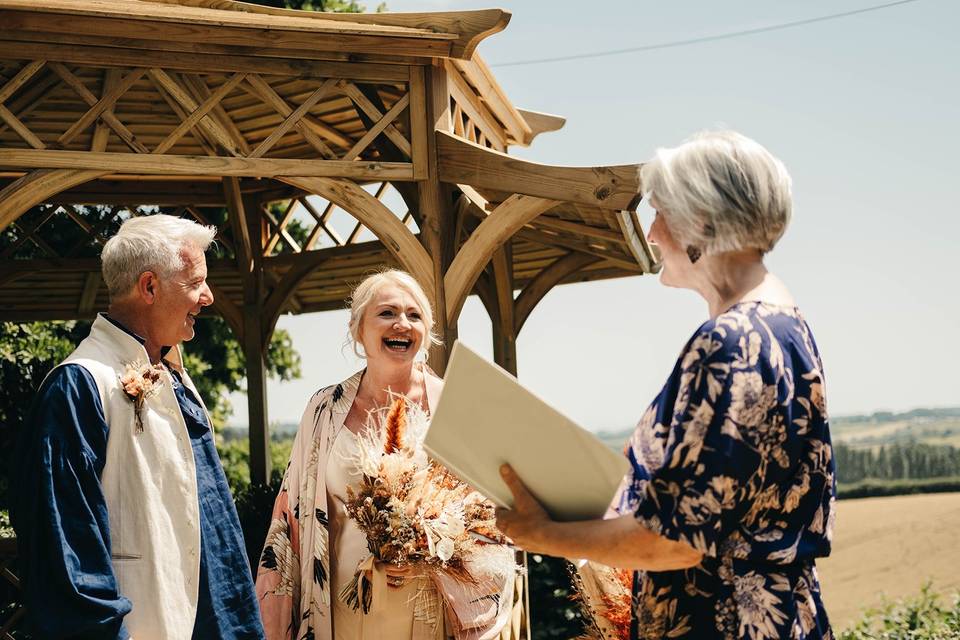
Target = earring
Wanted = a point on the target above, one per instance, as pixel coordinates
(693, 253)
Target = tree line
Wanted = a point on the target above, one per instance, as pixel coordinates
(900, 461)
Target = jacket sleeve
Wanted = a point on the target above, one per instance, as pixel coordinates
(60, 513)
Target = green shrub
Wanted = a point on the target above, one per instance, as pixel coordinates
(923, 617)
(254, 501)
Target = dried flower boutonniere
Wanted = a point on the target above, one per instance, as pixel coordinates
(139, 381)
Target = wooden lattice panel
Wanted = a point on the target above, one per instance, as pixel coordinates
(152, 119)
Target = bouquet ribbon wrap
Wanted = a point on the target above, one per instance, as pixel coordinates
(378, 580)
(416, 593)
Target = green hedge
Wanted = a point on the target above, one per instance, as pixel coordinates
(872, 488)
(924, 617)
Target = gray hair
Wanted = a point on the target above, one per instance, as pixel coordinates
(149, 243)
(720, 191)
(365, 292)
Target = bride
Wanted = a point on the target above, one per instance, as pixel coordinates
(313, 548)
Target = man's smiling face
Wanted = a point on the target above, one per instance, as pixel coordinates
(179, 298)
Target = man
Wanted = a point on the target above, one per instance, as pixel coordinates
(125, 523)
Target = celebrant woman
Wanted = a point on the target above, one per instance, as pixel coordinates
(314, 549)
(730, 496)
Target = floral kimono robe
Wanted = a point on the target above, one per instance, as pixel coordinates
(293, 581)
(734, 459)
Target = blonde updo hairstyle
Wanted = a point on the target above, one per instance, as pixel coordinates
(366, 291)
(720, 191)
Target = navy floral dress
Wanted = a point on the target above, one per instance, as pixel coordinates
(734, 459)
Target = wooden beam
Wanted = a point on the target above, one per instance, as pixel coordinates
(169, 164)
(280, 227)
(310, 128)
(636, 241)
(541, 122)
(170, 84)
(106, 102)
(32, 97)
(399, 240)
(199, 113)
(504, 333)
(470, 27)
(291, 120)
(321, 219)
(476, 72)
(420, 133)
(579, 229)
(21, 129)
(227, 310)
(248, 212)
(620, 259)
(35, 187)
(14, 43)
(537, 288)
(214, 28)
(508, 218)
(21, 78)
(204, 220)
(88, 296)
(374, 114)
(377, 129)
(287, 287)
(433, 201)
(257, 412)
(616, 187)
(101, 132)
(198, 88)
(107, 116)
(236, 216)
(471, 105)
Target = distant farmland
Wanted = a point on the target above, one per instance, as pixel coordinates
(890, 547)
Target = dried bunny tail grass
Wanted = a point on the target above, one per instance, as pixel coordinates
(416, 430)
(395, 424)
(489, 563)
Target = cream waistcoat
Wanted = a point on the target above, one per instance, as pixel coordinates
(150, 484)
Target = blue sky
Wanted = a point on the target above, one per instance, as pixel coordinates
(863, 111)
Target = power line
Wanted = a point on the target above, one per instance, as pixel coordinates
(722, 36)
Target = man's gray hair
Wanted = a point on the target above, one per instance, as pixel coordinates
(720, 191)
(149, 243)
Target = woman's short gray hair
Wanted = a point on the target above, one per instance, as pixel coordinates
(149, 243)
(720, 191)
(366, 291)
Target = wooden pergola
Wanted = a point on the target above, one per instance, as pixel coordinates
(289, 119)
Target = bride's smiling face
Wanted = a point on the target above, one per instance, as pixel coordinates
(392, 329)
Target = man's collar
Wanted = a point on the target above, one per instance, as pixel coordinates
(163, 350)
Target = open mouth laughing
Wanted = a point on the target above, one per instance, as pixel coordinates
(398, 344)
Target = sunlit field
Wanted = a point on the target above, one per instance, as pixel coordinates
(888, 547)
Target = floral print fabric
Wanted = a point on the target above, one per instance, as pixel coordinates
(293, 578)
(734, 459)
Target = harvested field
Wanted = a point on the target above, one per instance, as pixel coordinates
(890, 547)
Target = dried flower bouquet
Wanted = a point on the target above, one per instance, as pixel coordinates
(414, 512)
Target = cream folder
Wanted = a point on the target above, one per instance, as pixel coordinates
(485, 418)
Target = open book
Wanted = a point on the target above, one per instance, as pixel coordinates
(485, 418)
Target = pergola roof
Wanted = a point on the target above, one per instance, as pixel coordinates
(185, 25)
(162, 100)
(322, 146)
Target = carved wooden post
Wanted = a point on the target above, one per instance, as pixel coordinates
(247, 224)
(255, 341)
(504, 333)
(428, 87)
